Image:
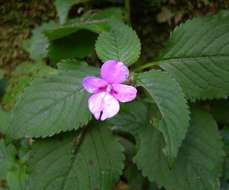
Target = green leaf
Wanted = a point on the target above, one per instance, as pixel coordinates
(170, 100)
(64, 6)
(199, 162)
(74, 26)
(97, 164)
(51, 105)
(197, 56)
(119, 43)
(21, 78)
(39, 43)
(94, 21)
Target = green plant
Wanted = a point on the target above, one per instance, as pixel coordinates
(172, 136)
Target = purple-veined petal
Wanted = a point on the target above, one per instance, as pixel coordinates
(103, 106)
(124, 93)
(93, 84)
(114, 71)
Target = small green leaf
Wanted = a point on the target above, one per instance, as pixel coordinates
(199, 162)
(63, 7)
(170, 100)
(97, 164)
(51, 105)
(197, 56)
(119, 43)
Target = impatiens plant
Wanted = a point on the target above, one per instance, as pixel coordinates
(113, 119)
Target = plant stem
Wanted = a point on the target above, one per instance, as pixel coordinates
(128, 11)
(146, 66)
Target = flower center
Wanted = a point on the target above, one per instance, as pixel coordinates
(108, 88)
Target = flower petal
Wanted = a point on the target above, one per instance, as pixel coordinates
(124, 93)
(93, 84)
(114, 71)
(102, 105)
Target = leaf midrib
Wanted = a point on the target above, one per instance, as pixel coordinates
(191, 57)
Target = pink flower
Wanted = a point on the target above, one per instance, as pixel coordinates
(108, 91)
